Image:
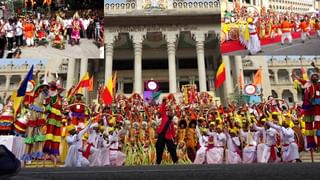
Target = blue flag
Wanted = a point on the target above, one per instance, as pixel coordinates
(23, 86)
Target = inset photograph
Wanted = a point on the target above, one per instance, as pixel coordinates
(51, 29)
(270, 27)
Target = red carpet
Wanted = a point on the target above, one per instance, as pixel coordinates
(230, 46)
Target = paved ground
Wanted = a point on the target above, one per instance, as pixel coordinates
(310, 47)
(298, 171)
(87, 49)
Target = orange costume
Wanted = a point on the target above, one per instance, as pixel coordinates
(303, 26)
(286, 27)
(29, 32)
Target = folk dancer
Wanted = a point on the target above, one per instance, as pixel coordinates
(289, 148)
(75, 156)
(286, 27)
(254, 45)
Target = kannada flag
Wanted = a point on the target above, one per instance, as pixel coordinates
(106, 95)
(258, 77)
(220, 76)
(84, 83)
(90, 87)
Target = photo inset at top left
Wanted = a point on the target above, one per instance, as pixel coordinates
(51, 29)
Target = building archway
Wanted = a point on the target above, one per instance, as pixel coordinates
(274, 94)
(2, 82)
(288, 95)
(283, 76)
(14, 82)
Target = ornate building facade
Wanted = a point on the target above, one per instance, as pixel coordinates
(162, 39)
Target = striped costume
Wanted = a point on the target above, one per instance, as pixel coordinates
(53, 134)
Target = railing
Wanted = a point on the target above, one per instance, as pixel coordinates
(10, 67)
(121, 7)
(197, 4)
(293, 62)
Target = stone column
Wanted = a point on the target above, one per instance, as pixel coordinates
(83, 71)
(70, 74)
(139, 4)
(238, 69)
(227, 85)
(200, 37)
(8, 78)
(83, 67)
(171, 38)
(110, 38)
(275, 72)
(290, 72)
(137, 39)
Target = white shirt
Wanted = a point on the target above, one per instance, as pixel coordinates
(255, 137)
(287, 134)
(9, 30)
(232, 143)
(19, 29)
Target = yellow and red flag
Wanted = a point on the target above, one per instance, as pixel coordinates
(84, 83)
(90, 87)
(220, 76)
(107, 92)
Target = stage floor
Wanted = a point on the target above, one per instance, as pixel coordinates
(297, 171)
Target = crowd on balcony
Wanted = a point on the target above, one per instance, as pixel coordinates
(36, 30)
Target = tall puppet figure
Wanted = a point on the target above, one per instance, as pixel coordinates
(54, 117)
(311, 107)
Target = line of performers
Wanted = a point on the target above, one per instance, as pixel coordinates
(132, 131)
(250, 30)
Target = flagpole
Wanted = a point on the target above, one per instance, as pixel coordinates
(240, 85)
(261, 93)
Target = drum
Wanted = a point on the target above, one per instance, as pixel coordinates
(234, 34)
(298, 136)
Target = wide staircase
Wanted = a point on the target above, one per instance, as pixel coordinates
(306, 157)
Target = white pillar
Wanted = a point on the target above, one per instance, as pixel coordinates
(139, 4)
(8, 77)
(275, 72)
(171, 38)
(83, 67)
(109, 55)
(290, 72)
(227, 85)
(239, 69)
(200, 37)
(137, 39)
(70, 74)
(83, 71)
